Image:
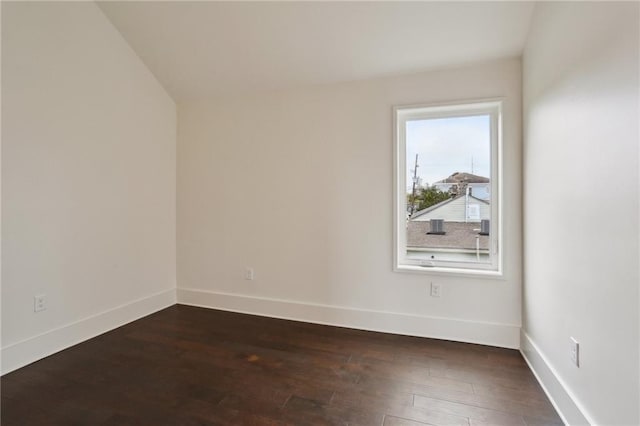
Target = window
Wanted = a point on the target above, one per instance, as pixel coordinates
(447, 187)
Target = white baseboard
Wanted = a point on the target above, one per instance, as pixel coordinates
(565, 403)
(25, 352)
(502, 335)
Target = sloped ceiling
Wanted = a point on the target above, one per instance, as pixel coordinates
(208, 49)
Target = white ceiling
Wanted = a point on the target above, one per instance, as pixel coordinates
(206, 49)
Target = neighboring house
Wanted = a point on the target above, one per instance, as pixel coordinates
(450, 230)
(479, 186)
(461, 208)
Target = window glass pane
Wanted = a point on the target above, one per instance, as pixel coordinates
(448, 193)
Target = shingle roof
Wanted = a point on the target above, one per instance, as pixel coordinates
(457, 235)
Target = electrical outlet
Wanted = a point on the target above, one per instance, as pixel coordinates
(39, 303)
(574, 351)
(436, 290)
(248, 274)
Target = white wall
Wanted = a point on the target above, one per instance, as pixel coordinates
(298, 185)
(581, 262)
(88, 180)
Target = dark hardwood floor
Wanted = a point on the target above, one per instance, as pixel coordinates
(194, 366)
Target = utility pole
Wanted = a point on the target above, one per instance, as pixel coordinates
(413, 189)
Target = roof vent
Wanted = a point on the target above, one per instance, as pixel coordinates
(436, 227)
(484, 227)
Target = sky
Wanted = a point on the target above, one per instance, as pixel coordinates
(448, 145)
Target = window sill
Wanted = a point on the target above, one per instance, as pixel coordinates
(450, 272)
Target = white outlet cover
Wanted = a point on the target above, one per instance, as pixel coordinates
(436, 290)
(39, 303)
(249, 274)
(574, 351)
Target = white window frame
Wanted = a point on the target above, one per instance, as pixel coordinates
(492, 107)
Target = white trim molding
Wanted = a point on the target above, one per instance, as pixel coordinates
(485, 333)
(560, 395)
(19, 354)
(402, 115)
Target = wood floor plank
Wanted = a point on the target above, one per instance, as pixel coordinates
(306, 411)
(429, 416)
(375, 400)
(523, 394)
(397, 421)
(407, 372)
(542, 409)
(194, 366)
(476, 415)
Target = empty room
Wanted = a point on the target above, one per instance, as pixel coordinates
(320, 213)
